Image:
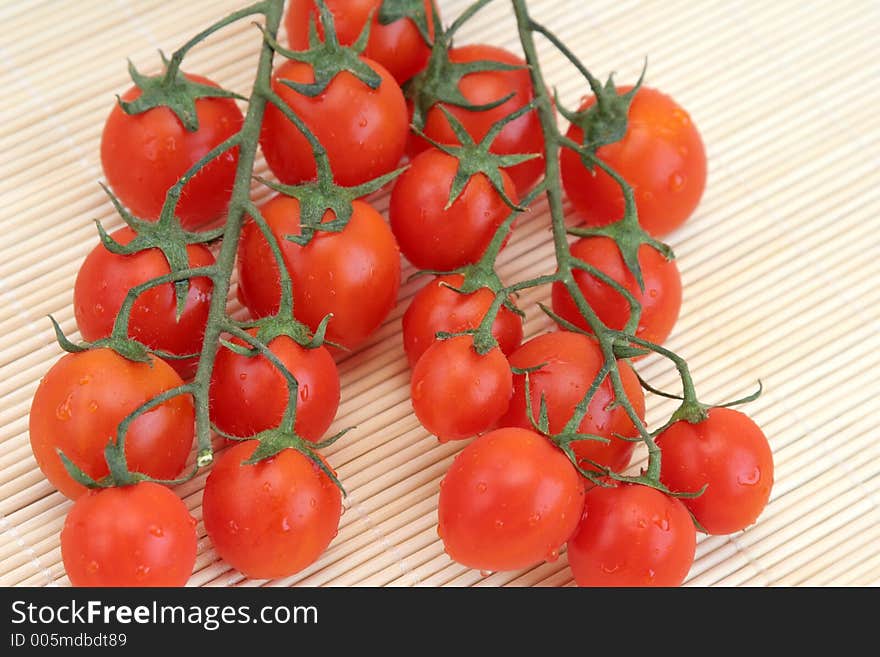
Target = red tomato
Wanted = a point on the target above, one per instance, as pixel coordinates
(509, 500)
(429, 235)
(363, 130)
(729, 454)
(458, 393)
(571, 363)
(143, 155)
(81, 401)
(249, 394)
(140, 535)
(661, 156)
(437, 308)
(661, 300)
(398, 46)
(271, 519)
(354, 274)
(632, 535)
(523, 135)
(104, 280)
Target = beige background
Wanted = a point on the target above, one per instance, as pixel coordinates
(780, 266)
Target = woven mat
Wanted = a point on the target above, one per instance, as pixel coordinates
(780, 264)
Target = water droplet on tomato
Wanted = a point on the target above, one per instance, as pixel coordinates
(93, 406)
(651, 574)
(84, 379)
(482, 487)
(92, 567)
(681, 117)
(99, 308)
(534, 519)
(610, 569)
(552, 555)
(749, 478)
(652, 293)
(285, 524)
(363, 122)
(677, 182)
(313, 502)
(232, 526)
(643, 523)
(304, 393)
(242, 376)
(662, 523)
(156, 531)
(192, 521)
(63, 412)
(141, 571)
(499, 524)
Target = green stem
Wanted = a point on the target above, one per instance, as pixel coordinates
(239, 202)
(180, 53)
(552, 141)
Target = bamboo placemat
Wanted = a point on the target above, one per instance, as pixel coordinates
(780, 264)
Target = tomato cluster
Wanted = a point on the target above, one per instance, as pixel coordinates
(555, 420)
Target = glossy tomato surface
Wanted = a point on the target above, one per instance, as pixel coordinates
(571, 362)
(729, 455)
(81, 401)
(273, 518)
(363, 130)
(104, 280)
(660, 301)
(436, 307)
(398, 46)
(353, 274)
(523, 135)
(143, 155)
(632, 535)
(509, 500)
(133, 536)
(248, 394)
(432, 236)
(661, 156)
(457, 392)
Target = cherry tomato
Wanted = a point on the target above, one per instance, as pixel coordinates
(729, 454)
(571, 362)
(509, 500)
(458, 393)
(661, 156)
(81, 401)
(249, 394)
(363, 130)
(523, 135)
(140, 535)
(398, 46)
(632, 535)
(271, 519)
(661, 300)
(104, 280)
(143, 155)
(354, 274)
(432, 236)
(436, 308)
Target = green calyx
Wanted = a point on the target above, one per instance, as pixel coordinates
(475, 158)
(328, 58)
(167, 235)
(605, 121)
(439, 82)
(127, 348)
(316, 198)
(174, 91)
(391, 11)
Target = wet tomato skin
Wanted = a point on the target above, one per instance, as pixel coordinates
(730, 455)
(510, 500)
(273, 518)
(632, 535)
(131, 536)
(436, 308)
(81, 401)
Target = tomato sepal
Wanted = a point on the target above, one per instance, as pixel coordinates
(328, 58)
(391, 11)
(173, 90)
